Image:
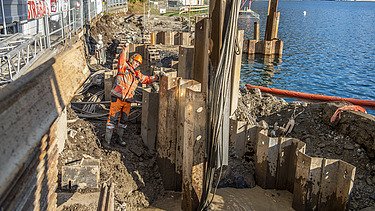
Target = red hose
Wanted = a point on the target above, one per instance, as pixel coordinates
(302, 95)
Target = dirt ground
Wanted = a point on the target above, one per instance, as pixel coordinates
(129, 27)
(133, 167)
(138, 184)
(322, 139)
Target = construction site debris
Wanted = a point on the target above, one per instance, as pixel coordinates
(132, 28)
(136, 175)
(322, 139)
(83, 174)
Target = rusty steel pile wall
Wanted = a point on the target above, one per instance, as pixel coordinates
(174, 124)
(281, 163)
(30, 132)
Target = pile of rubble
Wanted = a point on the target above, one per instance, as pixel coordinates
(133, 28)
(132, 167)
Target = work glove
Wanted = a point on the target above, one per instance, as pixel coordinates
(161, 74)
(158, 75)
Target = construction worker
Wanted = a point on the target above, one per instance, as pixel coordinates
(122, 93)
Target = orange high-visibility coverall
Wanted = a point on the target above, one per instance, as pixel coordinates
(125, 84)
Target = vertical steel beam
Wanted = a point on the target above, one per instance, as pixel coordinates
(3, 13)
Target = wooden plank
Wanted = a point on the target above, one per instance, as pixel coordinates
(272, 161)
(252, 47)
(236, 73)
(194, 141)
(328, 184)
(167, 132)
(275, 25)
(150, 117)
(306, 186)
(181, 118)
(268, 48)
(285, 151)
(278, 45)
(184, 38)
(296, 147)
(272, 9)
(261, 159)
(201, 54)
(238, 136)
(216, 14)
(153, 38)
(256, 35)
(186, 62)
(345, 179)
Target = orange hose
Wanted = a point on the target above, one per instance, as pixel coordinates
(302, 95)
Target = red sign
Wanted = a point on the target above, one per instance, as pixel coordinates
(36, 9)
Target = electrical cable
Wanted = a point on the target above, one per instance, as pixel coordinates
(219, 95)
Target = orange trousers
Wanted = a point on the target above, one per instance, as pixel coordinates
(119, 110)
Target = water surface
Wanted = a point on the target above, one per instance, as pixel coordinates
(329, 51)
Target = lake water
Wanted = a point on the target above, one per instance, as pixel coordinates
(329, 51)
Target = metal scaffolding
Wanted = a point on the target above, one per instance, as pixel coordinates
(17, 53)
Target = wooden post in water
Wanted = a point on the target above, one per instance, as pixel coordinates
(256, 31)
(275, 25)
(271, 19)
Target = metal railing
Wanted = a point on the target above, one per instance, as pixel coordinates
(18, 52)
(116, 3)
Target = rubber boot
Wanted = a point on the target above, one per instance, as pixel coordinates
(108, 135)
(120, 133)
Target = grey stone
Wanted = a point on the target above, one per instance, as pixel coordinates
(372, 208)
(322, 145)
(348, 146)
(263, 124)
(84, 175)
(369, 180)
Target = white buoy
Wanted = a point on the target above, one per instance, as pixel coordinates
(304, 13)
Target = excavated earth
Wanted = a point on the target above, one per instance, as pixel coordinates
(129, 27)
(322, 138)
(138, 183)
(133, 167)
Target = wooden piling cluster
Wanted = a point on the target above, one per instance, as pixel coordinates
(180, 132)
(281, 163)
(174, 120)
(271, 45)
(170, 38)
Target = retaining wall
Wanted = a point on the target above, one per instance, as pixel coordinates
(281, 163)
(29, 107)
